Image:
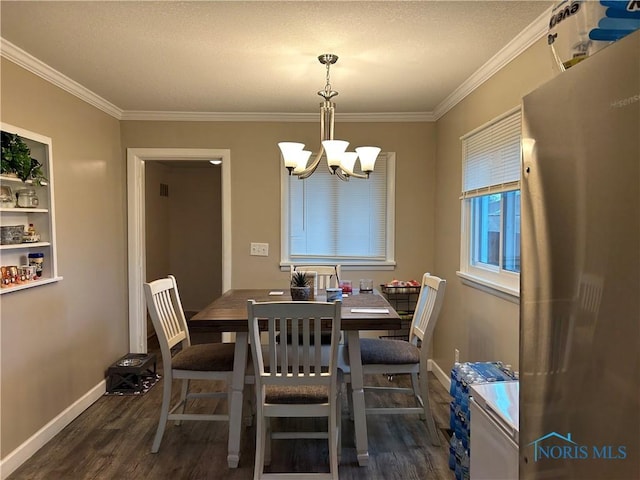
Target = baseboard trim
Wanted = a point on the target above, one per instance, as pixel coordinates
(440, 374)
(15, 459)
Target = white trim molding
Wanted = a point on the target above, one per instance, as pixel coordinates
(16, 458)
(273, 117)
(531, 34)
(441, 375)
(136, 157)
(51, 75)
(510, 294)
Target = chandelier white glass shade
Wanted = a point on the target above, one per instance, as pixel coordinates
(339, 161)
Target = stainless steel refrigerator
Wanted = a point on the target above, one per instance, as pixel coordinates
(580, 276)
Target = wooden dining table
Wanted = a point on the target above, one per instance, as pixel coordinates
(360, 312)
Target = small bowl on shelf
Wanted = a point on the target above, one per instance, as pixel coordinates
(11, 234)
(30, 238)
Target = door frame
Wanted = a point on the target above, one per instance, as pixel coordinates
(136, 247)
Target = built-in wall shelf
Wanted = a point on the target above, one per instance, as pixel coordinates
(25, 246)
(42, 216)
(19, 211)
(33, 283)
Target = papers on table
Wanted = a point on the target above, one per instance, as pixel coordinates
(369, 310)
(276, 292)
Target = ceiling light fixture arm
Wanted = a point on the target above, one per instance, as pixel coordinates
(339, 162)
(327, 110)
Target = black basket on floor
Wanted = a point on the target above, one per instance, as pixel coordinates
(128, 373)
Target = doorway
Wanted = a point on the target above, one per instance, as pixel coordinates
(136, 158)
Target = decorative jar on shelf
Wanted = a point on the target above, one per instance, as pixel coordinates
(36, 259)
(27, 198)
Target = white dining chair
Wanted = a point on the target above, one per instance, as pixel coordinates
(393, 357)
(322, 277)
(291, 380)
(213, 361)
(325, 276)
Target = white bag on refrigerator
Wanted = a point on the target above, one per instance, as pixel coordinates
(578, 28)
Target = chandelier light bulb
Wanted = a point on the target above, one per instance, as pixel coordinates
(303, 158)
(348, 162)
(334, 150)
(290, 153)
(368, 156)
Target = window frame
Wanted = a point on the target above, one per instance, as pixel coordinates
(492, 277)
(488, 278)
(388, 263)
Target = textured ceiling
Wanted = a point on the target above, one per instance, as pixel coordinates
(261, 56)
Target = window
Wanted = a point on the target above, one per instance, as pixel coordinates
(490, 244)
(326, 220)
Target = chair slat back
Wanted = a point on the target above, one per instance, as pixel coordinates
(427, 309)
(590, 293)
(327, 276)
(165, 309)
(298, 362)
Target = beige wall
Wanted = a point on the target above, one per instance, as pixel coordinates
(255, 186)
(157, 221)
(482, 326)
(57, 340)
(157, 224)
(195, 252)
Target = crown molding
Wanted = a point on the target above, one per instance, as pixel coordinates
(32, 64)
(272, 117)
(531, 34)
(171, 116)
(385, 117)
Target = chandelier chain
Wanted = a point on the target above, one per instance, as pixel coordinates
(327, 87)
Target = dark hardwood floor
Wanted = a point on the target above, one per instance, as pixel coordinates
(112, 440)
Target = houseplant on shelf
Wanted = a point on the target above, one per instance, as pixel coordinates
(300, 288)
(16, 160)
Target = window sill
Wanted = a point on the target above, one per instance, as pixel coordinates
(510, 294)
(344, 265)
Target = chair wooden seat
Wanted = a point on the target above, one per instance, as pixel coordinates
(382, 351)
(291, 394)
(205, 357)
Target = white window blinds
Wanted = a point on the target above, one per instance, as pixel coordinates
(329, 218)
(491, 156)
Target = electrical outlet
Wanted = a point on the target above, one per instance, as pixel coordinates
(259, 249)
(456, 355)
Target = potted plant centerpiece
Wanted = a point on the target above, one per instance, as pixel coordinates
(300, 288)
(16, 160)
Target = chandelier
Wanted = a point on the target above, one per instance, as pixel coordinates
(340, 162)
